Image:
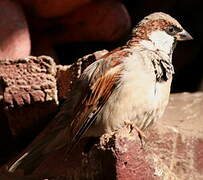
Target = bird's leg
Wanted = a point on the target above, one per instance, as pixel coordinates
(140, 134)
(132, 126)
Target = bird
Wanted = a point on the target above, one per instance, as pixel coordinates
(128, 85)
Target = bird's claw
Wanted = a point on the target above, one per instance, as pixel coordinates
(141, 134)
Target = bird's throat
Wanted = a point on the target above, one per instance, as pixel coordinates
(163, 42)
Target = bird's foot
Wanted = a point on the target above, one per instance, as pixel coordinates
(140, 133)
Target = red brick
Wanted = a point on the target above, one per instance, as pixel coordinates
(198, 156)
(29, 92)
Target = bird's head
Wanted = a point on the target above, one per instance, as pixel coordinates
(161, 31)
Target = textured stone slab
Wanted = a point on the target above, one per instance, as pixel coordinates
(28, 91)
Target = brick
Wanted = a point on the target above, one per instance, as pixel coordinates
(198, 155)
(29, 92)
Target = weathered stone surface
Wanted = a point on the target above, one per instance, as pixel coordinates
(28, 91)
(14, 34)
(181, 149)
(172, 150)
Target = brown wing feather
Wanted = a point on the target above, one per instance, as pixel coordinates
(102, 80)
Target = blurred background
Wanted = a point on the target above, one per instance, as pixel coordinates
(67, 30)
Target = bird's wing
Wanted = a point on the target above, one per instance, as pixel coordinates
(101, 78)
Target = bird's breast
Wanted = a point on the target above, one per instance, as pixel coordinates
(138, 98)
(139, 101)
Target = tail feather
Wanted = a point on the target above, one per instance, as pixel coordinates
(29, 161)
(38, 151)
(55, 136)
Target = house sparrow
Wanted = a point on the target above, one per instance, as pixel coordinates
(129, 85)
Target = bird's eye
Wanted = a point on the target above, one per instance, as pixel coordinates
(171, 30)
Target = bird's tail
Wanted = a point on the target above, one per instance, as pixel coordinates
(28, 161)
(37, 152)
(51, 140)
(55, 136)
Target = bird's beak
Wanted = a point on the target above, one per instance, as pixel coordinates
(183, 36)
